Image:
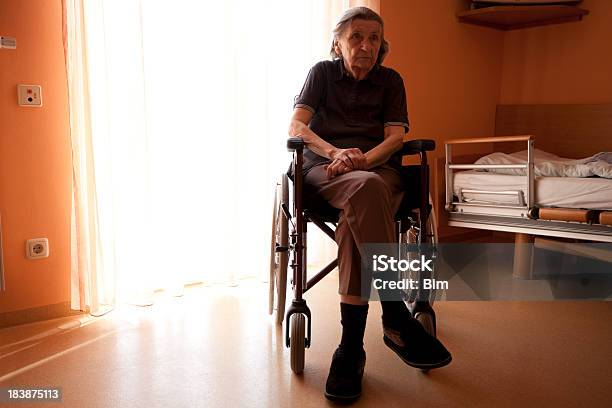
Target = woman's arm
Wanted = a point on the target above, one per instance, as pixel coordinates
(299, 128)
(352, 158)
(394, 139)
(345, 160)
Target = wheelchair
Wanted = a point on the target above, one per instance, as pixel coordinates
(415, 224)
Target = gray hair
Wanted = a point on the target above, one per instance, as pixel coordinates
(361, 13)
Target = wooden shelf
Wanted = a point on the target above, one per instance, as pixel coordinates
(515, 17)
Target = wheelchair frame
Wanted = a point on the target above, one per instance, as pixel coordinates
(297, 246)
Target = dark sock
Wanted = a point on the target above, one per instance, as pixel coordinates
(395, 314)
(394, 311)
(353, 326)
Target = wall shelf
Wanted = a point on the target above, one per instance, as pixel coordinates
(515, 17)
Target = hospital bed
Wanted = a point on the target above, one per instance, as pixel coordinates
(476, 196)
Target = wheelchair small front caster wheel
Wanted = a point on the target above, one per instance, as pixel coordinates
(297, 342)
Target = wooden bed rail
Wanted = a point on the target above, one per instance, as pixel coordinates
(494, 139)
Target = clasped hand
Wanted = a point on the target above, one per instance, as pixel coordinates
(345, 160)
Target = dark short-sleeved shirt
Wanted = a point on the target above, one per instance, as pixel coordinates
(350, 113)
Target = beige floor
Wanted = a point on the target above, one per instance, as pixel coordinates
(217, 347)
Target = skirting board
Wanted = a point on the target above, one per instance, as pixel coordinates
(35, 314)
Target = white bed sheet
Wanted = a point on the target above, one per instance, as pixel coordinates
(551, 165)
(568, 192)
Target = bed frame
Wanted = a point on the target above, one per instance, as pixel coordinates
(573, 131)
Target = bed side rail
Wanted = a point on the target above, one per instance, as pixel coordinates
(524, 207)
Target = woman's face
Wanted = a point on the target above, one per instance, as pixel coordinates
(359, 45)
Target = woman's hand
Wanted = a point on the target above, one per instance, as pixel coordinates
(352, 158)
(345, 160)
(336, 168)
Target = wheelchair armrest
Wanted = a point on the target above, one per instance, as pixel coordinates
(295, 143)
(418, 146)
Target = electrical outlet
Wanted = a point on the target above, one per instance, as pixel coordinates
(29, 95)
(37, 248)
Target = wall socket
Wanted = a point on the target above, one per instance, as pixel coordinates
(37, 248)
(29, 95)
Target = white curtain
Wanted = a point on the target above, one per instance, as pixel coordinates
(179, 114)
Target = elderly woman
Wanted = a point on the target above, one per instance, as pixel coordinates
(352, 116)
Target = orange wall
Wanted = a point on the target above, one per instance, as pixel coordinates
(564, 63)
(34, 156)
(451, 71)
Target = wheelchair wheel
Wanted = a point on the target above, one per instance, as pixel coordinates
(431, 235)
(422, 310)
(272, 254)
(297, 342)
(279, 260)
(429, 238)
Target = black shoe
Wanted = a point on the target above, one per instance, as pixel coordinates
(344, 380)
(415, 346)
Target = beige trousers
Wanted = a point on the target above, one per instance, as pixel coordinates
(369, 200)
